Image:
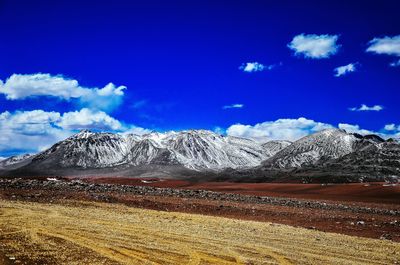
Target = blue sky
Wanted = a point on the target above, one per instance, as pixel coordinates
(245, 68)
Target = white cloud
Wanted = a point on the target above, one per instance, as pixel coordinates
(391, 127)
(19, 86)
(252, 67)
(88, 119)
(132, 129)
(315, 46)
(282, 129)
(233, 106)
(36, 130)
(256, 67)
(395, 63)
(391, 131)
(386, 45)
(345, 69)
(364, 107)
(294, 129)
(351, 128)
(29, 131)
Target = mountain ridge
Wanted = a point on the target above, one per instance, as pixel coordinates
(208, 154)
(194, 149)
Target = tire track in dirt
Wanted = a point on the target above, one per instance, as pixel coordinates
(115, 234)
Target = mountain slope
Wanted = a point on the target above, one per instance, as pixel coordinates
(208, 150)
(15, 161)
(332, 154)
(195, 149)
(380, 159)
(326, 144)
(273, 147)
(85, 150)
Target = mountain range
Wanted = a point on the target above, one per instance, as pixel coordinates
(329, 155)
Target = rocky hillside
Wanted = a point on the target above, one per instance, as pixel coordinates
(15, 161)
(195, 149)
(323, 146)
(207, 155)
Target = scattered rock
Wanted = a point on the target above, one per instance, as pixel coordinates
(386, 236)
(78, 185)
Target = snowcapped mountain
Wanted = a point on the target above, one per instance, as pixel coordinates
(378, 157)
(15, 161)
(208, 150)
(193, 149)
(205, 154)
(273, 147)
(86, 150)
(321, 146)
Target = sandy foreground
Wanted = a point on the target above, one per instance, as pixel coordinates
(76, 232)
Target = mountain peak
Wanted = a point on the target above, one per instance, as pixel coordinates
(14, 160)
(204, 150)
(327, 144)
(85, 133)
(331, 131)
(192, 149)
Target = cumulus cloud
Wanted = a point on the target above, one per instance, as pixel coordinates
(315, 46)
(33, 131)
(88, 119)
(391, 130)
(354, 128)
(22, 86)
(294, 129)
(256, 67)
(364, 107)
(386, 45)
(233, 106)
(29, 131)
(391, 127)
(345, 69)
(132, 129)
(282, 129)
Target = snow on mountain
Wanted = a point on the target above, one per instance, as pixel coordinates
(148, 151)
(273, 147)
(379, 157)
(326, 144)
(13, 160)
(203, 149)
(87, 150)
(193, 149)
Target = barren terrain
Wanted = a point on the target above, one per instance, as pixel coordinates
(127, 221)
(72, 232)
(374, 192)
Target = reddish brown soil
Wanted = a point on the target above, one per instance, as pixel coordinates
(355, 192)
(340, 221)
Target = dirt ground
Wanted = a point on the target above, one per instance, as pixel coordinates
(376, 220)
(375, 192)
(77, 232)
